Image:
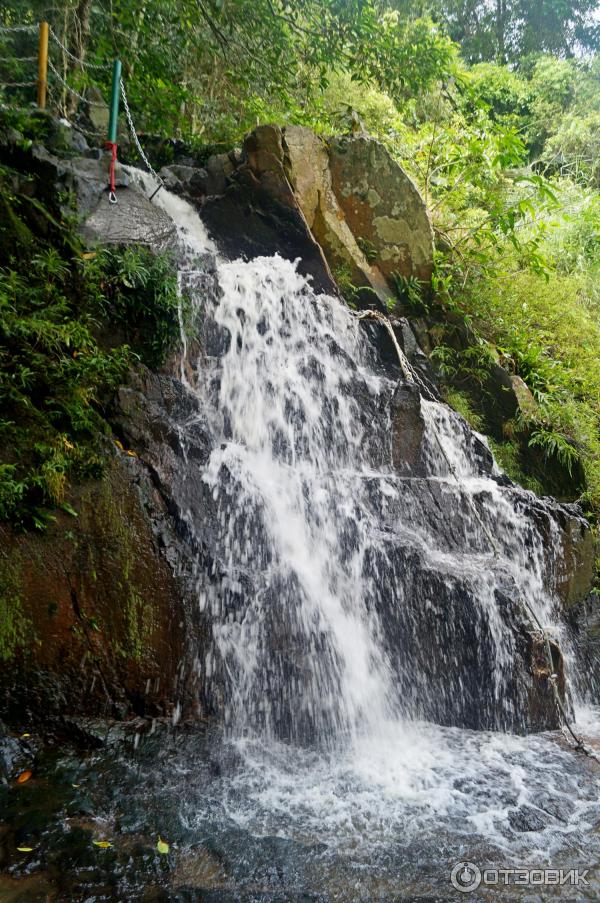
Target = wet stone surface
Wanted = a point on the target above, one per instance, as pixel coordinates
(249, 826)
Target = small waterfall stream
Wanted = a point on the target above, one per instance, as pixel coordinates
(368, 644)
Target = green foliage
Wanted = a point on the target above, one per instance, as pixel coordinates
(410, 292)
(69, 329)
(469, 366)
(139, 298)
(368, 249)
(463, 404)
(508, 30)
(214, 69)
(553, 87)
(348, 290)
(554, 445)
(573, 151)
(501, 92)
(547, 332)
(509, 457)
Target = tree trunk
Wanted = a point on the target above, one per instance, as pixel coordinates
(79, 42)
(501, 30)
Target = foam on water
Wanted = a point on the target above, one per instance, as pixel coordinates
(520, 794)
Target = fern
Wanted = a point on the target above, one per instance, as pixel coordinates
(555, 445)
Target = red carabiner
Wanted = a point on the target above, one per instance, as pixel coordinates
(112, 197)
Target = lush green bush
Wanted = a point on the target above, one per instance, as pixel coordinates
(71, 324)
(545, 331)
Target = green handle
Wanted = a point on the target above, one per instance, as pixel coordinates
(114, 103)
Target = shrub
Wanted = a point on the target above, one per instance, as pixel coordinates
(71, 324)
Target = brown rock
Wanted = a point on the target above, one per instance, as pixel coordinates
(577, 565)
(97, 613)
(308, 172)
(258, 213)
(382, 206)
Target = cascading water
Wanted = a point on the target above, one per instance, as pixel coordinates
(355, 595)
(303, 652)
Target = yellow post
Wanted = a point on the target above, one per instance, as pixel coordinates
(43, 66)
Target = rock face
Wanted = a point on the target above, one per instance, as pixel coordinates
(96, 609)
(257, 214)
(576, 569)
(339, 205)
(132, 220)
(308, 170)
(107, 603)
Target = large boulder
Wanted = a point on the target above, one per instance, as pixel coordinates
(132, 220)
(382, 207)
(257, 214)
(307, 166)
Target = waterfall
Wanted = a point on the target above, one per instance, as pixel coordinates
(361, 577)
(303, 651)
(349, 590)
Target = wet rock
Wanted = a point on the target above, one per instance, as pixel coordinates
(11, 755)
(115, 609)
(410, 344)
(526, 818)
(407, 430)
(188, 180)
(452, 681)
(545, 667)
(576, 571)
(217, 340)
(218, 169)
(257, 216)
(197, 183)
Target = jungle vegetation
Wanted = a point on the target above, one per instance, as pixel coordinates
(492, 105)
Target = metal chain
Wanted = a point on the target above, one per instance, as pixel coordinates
(136, 139)
(92, 103)
(95, 135)
(65, 50)
(17, 84)
(6, 29)
(18, 59)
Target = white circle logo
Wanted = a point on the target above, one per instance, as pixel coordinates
(465, 877)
